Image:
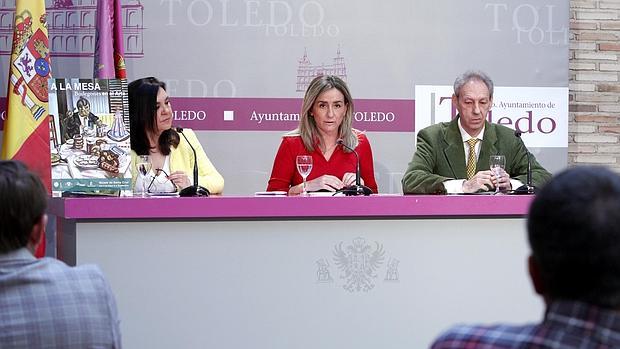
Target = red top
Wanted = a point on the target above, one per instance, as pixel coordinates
(284, 173)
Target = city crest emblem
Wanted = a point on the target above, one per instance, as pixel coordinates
(358, 263)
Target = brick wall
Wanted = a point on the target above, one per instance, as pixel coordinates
(594, 83)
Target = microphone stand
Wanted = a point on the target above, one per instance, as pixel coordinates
(526, 188)
(194, 190)
(357, 188)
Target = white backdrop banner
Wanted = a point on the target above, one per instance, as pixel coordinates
(538, 112)
(237, 70)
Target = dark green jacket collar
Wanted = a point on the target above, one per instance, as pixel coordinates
(455, 150)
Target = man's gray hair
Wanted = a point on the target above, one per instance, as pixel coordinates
(473, 75)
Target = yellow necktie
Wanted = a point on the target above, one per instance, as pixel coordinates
(471, 157)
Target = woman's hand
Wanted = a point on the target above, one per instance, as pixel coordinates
(325, 182)
(349, 179)
(180, 179)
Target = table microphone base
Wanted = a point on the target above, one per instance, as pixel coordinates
(355, 190)
(525, 190)
(194, 191)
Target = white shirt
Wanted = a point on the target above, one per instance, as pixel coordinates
(455, 186)
(158, 183)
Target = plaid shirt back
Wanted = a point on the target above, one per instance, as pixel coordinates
(566, 325)
(46, 304)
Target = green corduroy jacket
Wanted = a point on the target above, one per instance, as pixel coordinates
(439, 157)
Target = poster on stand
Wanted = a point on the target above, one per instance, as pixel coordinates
(89, 136)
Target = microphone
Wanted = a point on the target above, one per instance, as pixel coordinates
(357, 188)
(526, 188)
(194, 190)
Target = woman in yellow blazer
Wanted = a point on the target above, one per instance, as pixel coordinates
(170, 154)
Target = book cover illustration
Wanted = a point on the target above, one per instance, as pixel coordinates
(89, 135)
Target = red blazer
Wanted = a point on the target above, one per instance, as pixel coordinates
(284, 173)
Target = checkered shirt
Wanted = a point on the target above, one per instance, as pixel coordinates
(566, 325)
(46, 304)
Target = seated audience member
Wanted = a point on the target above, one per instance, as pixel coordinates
(444, 160)
(152, 134)
(326, 116)
(43, 302)
(574, 232)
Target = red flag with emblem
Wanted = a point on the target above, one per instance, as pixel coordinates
(109, 50)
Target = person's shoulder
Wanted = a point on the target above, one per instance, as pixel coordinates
(191, 136)
(292, 138)
(502, 131)
(189, 132)
(61, 272)
(291, 143)
(86, 270)
(488, 337)
(438, 127)
(361, 135)
(436, 131)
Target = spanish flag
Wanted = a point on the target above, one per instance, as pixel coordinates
(26, 129)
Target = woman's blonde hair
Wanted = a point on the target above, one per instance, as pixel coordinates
(307, 128)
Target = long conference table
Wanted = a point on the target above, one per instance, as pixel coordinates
(385, 271)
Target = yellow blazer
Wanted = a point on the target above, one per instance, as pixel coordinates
(182, 159)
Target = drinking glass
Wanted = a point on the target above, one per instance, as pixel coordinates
(143, 165)
(304, 167)
(498, 164)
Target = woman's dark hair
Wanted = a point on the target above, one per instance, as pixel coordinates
(143, 117)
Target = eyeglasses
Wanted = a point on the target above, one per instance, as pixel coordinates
(157, 171)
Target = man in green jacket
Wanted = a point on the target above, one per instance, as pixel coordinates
(441, 163)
